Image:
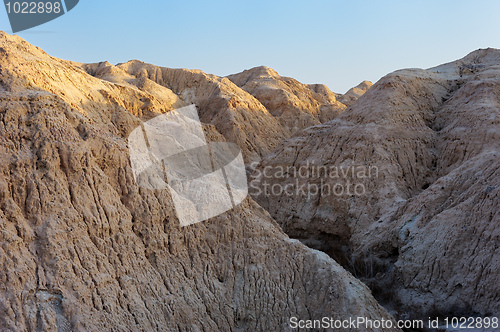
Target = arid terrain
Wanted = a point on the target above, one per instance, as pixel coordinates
(83, 248)
(423, 230)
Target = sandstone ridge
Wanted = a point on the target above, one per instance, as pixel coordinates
(425, 232)
(83, 248)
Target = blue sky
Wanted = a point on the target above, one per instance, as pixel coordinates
(338, 43)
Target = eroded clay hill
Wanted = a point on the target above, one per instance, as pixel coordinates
(423, 227)
(82, 248)
(256, 109)
(354, 93)
(296, 105)
(234, 113)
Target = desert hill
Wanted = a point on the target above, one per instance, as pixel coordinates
(423, 228)
(354, 93)
(296, 105)
(83, 248)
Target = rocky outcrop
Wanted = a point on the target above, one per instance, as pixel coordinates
(296, 105)
(256, 109)
(238, 116)
(83, 248)
(354, 93)
(27, 67)
(402, 188)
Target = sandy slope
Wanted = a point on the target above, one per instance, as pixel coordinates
(82, 248)
(426, 233)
